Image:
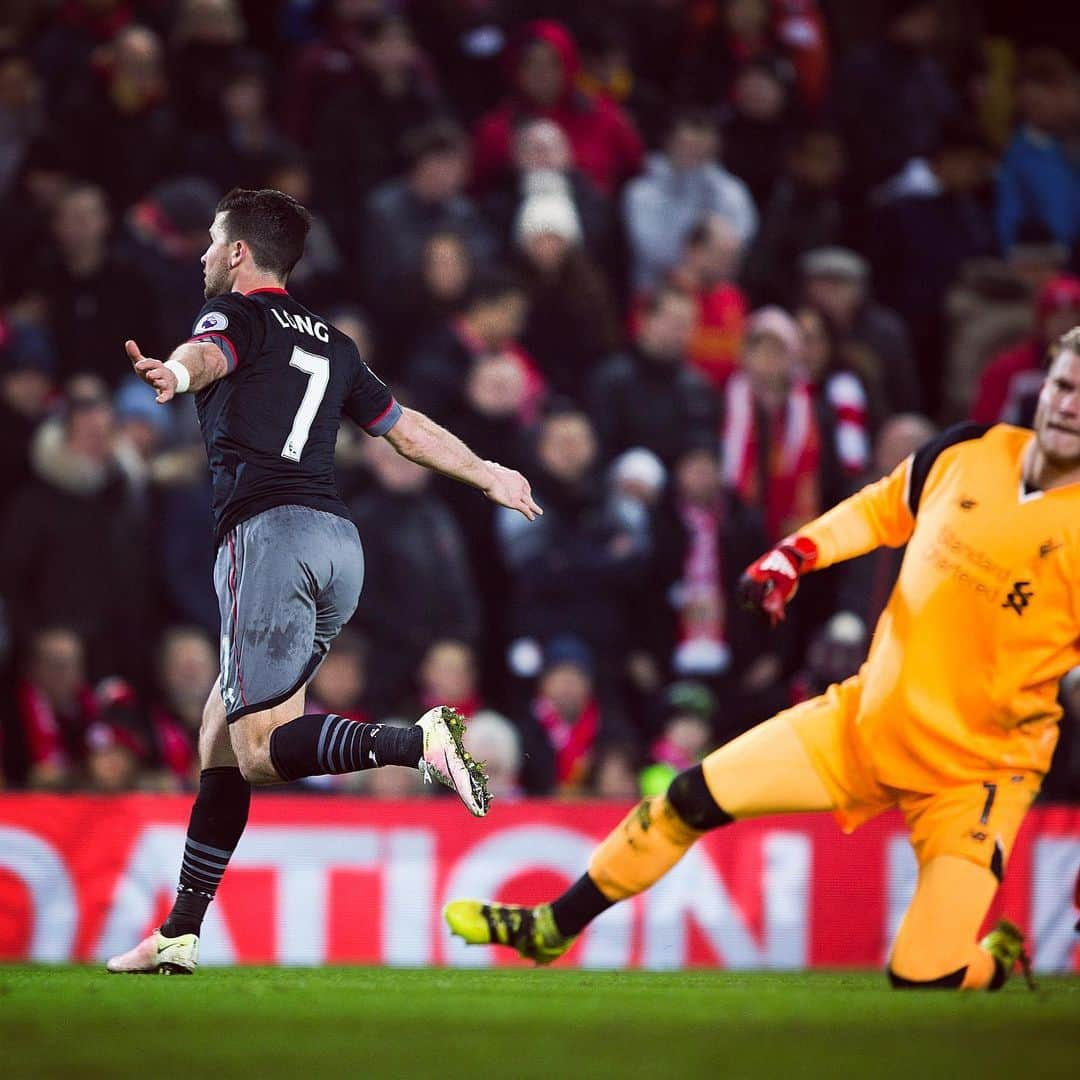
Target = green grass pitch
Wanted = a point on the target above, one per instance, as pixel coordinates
(260, 1023)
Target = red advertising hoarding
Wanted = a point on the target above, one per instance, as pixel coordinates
(339, 880)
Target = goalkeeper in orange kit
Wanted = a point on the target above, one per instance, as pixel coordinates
(953, 718)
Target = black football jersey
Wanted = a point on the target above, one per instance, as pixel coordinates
(271, 424)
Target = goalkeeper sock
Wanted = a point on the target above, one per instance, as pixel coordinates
(318, 745)
(651, 839)
(217, 822)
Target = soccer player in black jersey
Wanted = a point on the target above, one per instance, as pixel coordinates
(271, 382)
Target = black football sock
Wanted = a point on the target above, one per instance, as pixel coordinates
(578, 906)
(216, 825)
(318, 745)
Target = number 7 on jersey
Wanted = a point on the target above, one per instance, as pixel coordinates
(317, 369)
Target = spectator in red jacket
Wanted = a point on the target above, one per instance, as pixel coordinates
(712, 252)
(1014, 373)
(544, 65)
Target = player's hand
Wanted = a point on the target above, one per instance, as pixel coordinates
(510, 489)
(152, 372)
(769, 583)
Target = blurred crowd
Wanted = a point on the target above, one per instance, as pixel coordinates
(699, 268)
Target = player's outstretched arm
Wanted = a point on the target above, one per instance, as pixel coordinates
(420, 439)
(192, 366)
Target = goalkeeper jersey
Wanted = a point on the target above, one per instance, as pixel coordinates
(963, 671)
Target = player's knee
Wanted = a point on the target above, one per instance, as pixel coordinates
(252, 752)
(690, 798)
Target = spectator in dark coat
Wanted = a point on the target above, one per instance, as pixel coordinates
(94, 301)
(759, 123)
(923, 232)
(650, 396)
(27, 368)
(242, 148)
(493, 318)
(875, 339)
(418, 586)
(355, 133)
(403, 214)
(571, 326)
(327, 64)
(206, 43)
(434, 299)
(571, 566)
(122, 134)
(891, 97)
(74, 541)
(544, 65)
(803, 212)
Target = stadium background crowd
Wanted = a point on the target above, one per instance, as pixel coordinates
(698, 268)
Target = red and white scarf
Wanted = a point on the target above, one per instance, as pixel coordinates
(793, 453)
(572, 740)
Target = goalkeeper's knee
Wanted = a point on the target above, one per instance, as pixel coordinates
(690, 798)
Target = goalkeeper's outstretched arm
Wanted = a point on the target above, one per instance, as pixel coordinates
(877, 516)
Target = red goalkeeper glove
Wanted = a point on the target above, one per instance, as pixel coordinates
(769, 583)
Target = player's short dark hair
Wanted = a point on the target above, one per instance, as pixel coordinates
(272, 224)
(491, 286)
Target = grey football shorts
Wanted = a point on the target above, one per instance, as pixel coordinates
(287, 580)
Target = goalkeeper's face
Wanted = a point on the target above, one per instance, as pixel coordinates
(217, 273)
(1057, 419)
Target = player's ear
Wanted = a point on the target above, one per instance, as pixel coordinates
(236, 255)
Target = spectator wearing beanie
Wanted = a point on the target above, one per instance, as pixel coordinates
(571, 326)
(541, 154)
(649, 395)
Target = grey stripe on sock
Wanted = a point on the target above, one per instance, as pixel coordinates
(194, 875)
(354, 734)
(328, 723)
(206, 849)
(218, 868)
(337, 744)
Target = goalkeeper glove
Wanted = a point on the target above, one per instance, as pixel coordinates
(769, 583)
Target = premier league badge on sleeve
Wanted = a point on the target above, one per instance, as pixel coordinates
(211, 323)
